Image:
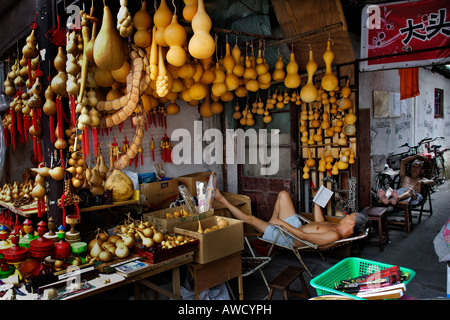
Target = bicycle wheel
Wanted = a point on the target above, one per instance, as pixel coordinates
(440, 169)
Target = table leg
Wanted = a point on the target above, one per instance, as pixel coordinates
(241, 288)
(176, 282)
(137, 291)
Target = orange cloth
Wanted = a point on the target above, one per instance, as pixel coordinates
(409, 83)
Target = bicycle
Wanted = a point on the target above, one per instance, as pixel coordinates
(394, 160)
(439, 164)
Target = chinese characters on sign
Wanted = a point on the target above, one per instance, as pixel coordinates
(405, 27)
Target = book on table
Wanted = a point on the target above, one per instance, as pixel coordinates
(322, 196)
(132, 268)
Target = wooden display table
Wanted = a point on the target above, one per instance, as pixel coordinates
(216, 272)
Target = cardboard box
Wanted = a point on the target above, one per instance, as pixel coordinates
(240, 201)
(189, 180)
(160, 194)
(160, 223)
(215, 244)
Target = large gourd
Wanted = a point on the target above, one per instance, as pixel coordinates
(329, 81)
(109, 52)
(142, 22)
(121, 185)
(309, 91)
(201, 45)
(292, 79)
(279, 73)
(175, 37)
(231, 80)
(161, 19)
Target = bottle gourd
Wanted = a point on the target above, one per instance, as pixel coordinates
(201, 45)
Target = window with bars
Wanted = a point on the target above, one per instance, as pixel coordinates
(438, 103)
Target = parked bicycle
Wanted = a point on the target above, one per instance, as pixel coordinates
(394, 160)
(439, 160)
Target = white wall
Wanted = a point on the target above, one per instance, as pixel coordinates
(418, 121)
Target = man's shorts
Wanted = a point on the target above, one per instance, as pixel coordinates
(271, 232)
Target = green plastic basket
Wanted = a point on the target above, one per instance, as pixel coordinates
(350, 268)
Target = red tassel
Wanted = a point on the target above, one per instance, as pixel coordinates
(39, 149)
(34, 149)
(26, 126)
(13, 128)
(61, 155)
(73, 113)
(95, 141)
(135, 162)
(86, 133)
(20, 127)
(52, 129)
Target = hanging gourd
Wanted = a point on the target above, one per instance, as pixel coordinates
(322, 164)
(346, 91)
(142, 22)
(325, 121)
(237, 113)
(205, 109)
(175, 37)
(329, 81)
(190, 9)
(310, 162)
(250, 75)
(328, 160)
(238, 68)
(292, 79)
(309, 91)
(349, 127)
(161, 19)
(306, 173)
(208, 75)
(279, 73)
(231, 80)
(201, 45)
(109, 52)
(219, 86)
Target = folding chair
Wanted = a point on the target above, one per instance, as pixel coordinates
(309, 246)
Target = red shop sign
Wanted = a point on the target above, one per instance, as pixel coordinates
(401, 27)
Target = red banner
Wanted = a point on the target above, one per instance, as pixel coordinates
(402, 27)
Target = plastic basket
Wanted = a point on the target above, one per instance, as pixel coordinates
(349, 268)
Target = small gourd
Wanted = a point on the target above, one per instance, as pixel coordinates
(279, 73)
(309, 91)
(163, 80)
(238, 68)
(205, 109)
(310, 162)
(142, 22)
(219, 86)
(292, 79)
(175, 37)
(346, 91)
(322, 164)
(329, 81)
(30, 50)
(201, 45)
(231, 80)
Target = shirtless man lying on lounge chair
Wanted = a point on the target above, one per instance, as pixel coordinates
(319, 232)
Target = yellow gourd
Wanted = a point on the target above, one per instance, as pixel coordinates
(310, 162)
(190, 9)
(335, 169)
(329, 81)
(163, 80)
(231, 80)
(161, 19)
(201, 45)
(219, 86)
(175, 37)
(292, 79)
(142, 22)
(346, 91)
(279, 73)
(238, 68)
(325, 121)
(109, 52)
(205, 109)
(322, 164)
(309, 91)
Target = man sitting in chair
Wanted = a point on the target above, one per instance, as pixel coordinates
(319, 232)
(410, 187)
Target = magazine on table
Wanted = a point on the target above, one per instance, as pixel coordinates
(132, 267)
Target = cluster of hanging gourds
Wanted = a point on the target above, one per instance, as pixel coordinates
(327, 114)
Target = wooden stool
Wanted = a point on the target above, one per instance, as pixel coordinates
(284, 279)
(378, 214)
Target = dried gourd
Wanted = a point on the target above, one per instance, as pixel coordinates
(279, 73)
(292, 79)
(309, 91)
(329, 81)
(175, 36)
(161, 19)
(142, 21)
(109, 53)
(201, 45)
(125, 23)
(190, 9)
